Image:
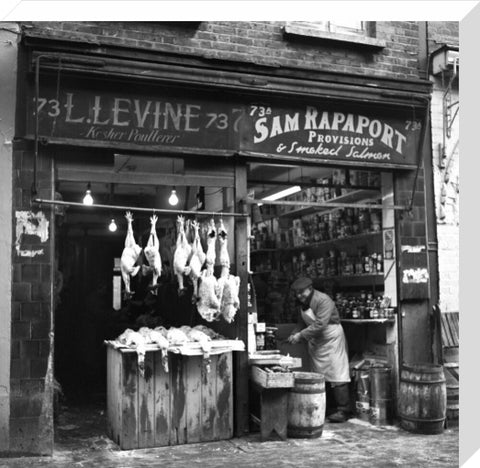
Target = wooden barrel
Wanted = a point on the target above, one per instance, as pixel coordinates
(422, 398)
(306, 405)
(380, 395)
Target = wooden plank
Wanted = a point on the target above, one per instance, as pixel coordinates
(111, 430)
(452, 320)
(193, 397)
(445, 331)
(223, 426)
(457, 331)
(145, 178)
(178, 427)
(240, 325)
(118, 392)
(448, 328)
(162, 386)
(146, 413)
(188, 349)
(391, 338)
(114, 395)
(129, 389)
(208, 410)
(273, 413)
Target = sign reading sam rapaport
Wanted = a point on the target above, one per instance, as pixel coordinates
(165, 118)
(314, 132)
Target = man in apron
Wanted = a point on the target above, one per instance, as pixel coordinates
(319, 324)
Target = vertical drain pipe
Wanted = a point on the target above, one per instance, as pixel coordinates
(35, 110)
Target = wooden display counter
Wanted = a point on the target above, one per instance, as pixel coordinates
(191, 403)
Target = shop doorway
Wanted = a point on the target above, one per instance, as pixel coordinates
(90, 301)
(334, 226)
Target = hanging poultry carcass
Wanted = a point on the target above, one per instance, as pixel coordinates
(152, 254)
(222, 240)
(181, 255)
(136, 340)
(208, 304)
(130, 255)
(230, 302)
(229, 285)
(197, 260)
(158, 338)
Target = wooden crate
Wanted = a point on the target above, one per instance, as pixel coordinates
(186, 405)
(271, 379)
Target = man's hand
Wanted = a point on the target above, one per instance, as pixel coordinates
(295, 338)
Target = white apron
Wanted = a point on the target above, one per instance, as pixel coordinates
(329, 352)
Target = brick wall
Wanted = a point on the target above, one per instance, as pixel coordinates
(31, 372)
(252, 42)
(443, 32)
(445, 153)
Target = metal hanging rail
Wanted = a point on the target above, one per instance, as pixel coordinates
(376, 206)
(41, 201)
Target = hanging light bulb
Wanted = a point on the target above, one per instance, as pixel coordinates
(112, 227)
(173, 199)
(88, 199)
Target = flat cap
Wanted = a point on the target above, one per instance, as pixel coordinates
(301, 283)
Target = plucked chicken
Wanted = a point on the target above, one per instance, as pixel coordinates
(230, 302)
(152, 254)
(182, 254)
(209, 332)
(204, 340)
(176, 336)
(222, 239)
(161, 330)
(130, 255)
(229, 285)
(198, 336)
(208, 304)
(197, 260)
(136, 340)
(157, 337)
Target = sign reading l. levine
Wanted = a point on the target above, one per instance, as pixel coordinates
(135, 119)
(317, 133)
(170, 120)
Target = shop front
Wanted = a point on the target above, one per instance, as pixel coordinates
(226, 141)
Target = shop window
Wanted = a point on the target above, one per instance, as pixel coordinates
(362, 33)
(342, 248)
(341, 27)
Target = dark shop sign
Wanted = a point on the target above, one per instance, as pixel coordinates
(338, 135)
(307, 132)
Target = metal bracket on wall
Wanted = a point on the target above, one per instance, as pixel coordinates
(450, 109)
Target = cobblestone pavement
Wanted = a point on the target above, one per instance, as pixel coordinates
(355, 443)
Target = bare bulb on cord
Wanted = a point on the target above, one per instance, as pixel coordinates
(173, 199)
(112, 227)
